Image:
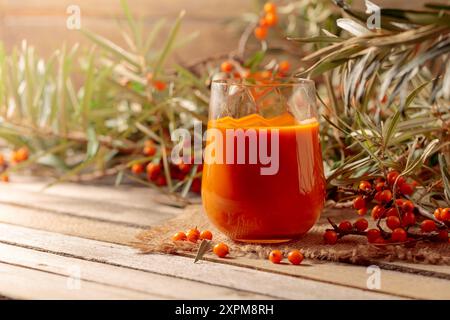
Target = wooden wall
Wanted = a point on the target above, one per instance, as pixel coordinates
(43, 22)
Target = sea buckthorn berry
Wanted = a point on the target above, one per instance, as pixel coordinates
(365, 186)
(159, 85)
(185, 167)
(161, 181)
(428, 226)
(443, 235)
(377, 196)
(445, 214)
(196, 185)
(5, 178)
(373, 234)
(260, 33)
(263, 23)
(179, 236)
(359, 203)
(137, 168)
(437, 214)
(386, 196)
(149, 150)
(226, 66)
(221, 250)
(22, 154)
(392, 212)
(284, 66)
(407, 189)
(380, 240)
(2, 160)
(408, 219)
(380, 186)
(266, 74)
(379, 179)
(400, 181)
(206, 235)
(377, 212)
(392, 176)
(361, 224)
(270, 7)
(330, 237)
(393, 222)
(408, 206)
(399, 235)
(362, 211)
(193, 235)
(295, 257)
(345, 226)
(271, 19)
(153, 170)
(275, 256)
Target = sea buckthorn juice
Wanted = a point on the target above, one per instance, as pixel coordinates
(263, 175)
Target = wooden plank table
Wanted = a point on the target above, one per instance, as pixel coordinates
(71, 242)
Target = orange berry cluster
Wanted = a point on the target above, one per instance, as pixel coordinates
(399, 215)
(17, 156)
(155, 173)
(442, 214)
(268, 20)
(237, 72)
(193, 235)
(294, 256)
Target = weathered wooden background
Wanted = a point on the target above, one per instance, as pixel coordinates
(43, 22)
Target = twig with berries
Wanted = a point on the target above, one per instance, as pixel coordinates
(408, 222)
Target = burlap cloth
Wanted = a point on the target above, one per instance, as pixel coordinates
(350, 249)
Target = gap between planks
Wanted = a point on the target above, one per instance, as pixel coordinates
(218, 274)
(150, 284)
(27, 203)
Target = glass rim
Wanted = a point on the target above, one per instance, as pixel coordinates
(286, 82)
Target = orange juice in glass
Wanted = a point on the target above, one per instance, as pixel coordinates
(263, 178)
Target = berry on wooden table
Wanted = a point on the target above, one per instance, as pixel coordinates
(193, 235)
(221, 250)
(275, 256)
(295, 257)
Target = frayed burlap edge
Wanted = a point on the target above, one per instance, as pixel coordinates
(351, 249)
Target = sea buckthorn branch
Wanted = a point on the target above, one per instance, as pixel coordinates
(394, 208)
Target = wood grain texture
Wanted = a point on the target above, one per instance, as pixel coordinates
(118, 277)
(22, 210)
(23, 283)
(228, 276)
(101, 207)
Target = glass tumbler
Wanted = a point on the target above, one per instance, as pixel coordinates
(263, 179)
